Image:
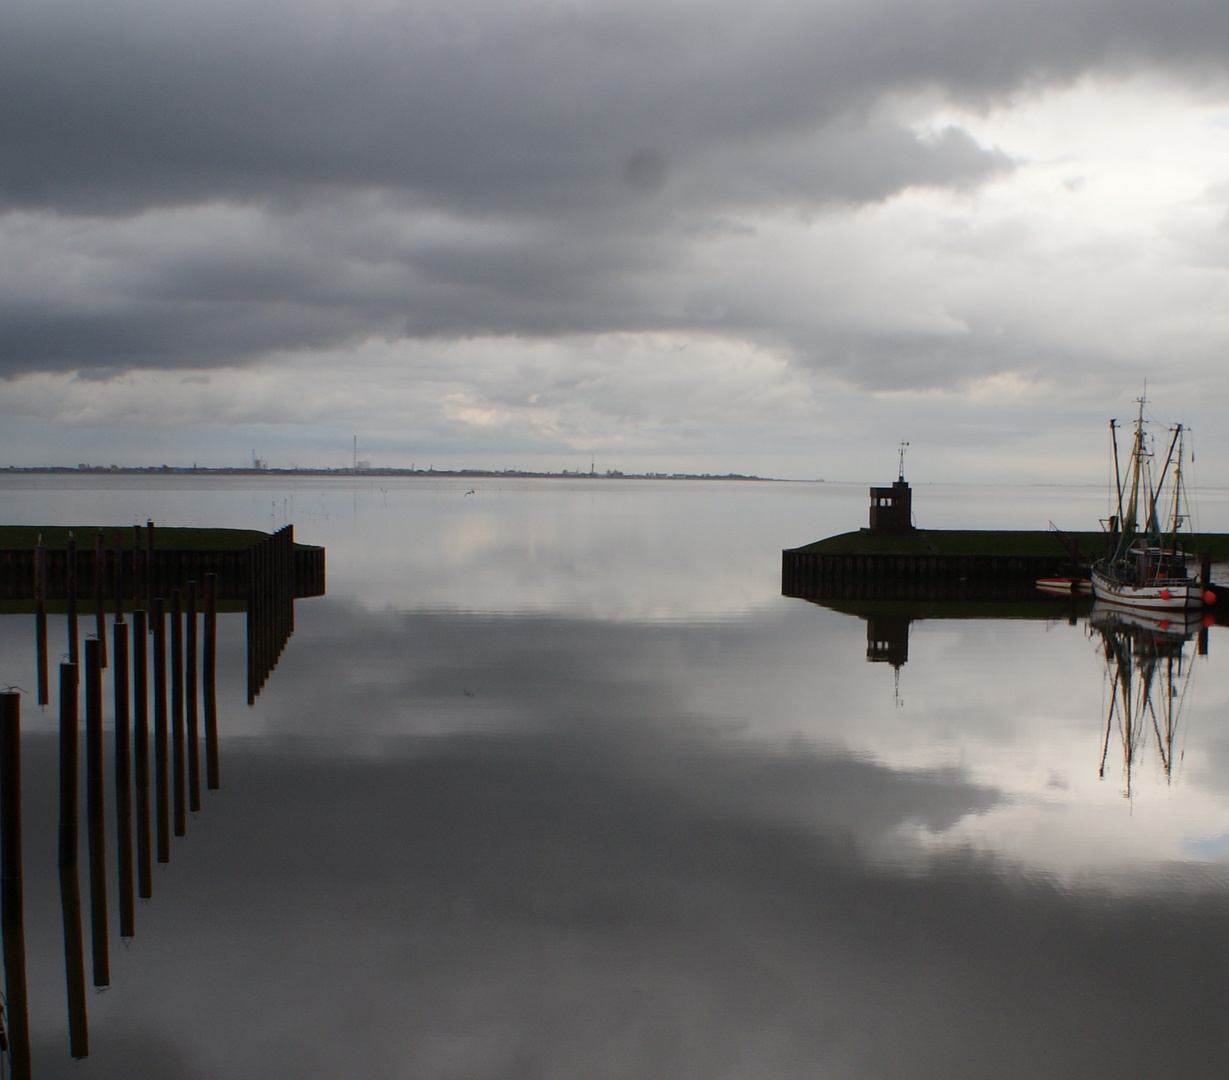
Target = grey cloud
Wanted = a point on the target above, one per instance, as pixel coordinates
(497, 108)
(579, 149)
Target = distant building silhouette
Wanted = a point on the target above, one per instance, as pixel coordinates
(891, 509)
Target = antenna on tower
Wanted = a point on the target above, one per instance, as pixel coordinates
(903, 447)
(355, 453)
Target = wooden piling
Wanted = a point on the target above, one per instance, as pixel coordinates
(253, 637)
(12, 900)
(190, 702)
(177, 715)
(118, 581)
(68, 763)
(149, 562)
(40, 618)
(209, 678)
(140, 739)
(95, 812)
(139, 598)
(123, 781)
(70, 585)
(162, 794)
(70, 885)
(100, 613)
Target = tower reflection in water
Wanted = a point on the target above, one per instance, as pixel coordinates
(188, 653)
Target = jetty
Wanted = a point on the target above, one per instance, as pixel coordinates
(892, 559)
(143, 560)
(48, 570)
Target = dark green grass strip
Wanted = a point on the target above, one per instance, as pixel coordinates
(55, 538)
(989, 542)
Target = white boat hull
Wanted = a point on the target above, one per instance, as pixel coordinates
(1160, 596)
(1181, 624)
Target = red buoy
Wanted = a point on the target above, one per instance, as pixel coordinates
(1165, 594)
(1209, 598)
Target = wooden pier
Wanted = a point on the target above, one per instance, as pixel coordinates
(80, 566)
(892, 559)
(814, 575)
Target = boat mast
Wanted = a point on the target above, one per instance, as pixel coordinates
(1117, 472)
(1130, 521)
(1177, 519)
(1154, 525)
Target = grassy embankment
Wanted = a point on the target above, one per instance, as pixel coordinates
(55, 538)
(990, 542)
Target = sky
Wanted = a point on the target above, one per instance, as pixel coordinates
(775, 238)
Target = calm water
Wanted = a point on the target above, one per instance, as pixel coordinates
(554, 783)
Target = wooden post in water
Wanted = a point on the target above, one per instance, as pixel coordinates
(209, 678)
(70, 885)
(70, 584)
(162, 793)
(100, 612)
(123, 781)
(95, 812)
(190, 701)
(68, 763)
(177, 715)
(289, 580)
(119, 576)
(40, 618)
(149, 562)
(140, 738)
(251, 622)
(12, 900)
(139, 599)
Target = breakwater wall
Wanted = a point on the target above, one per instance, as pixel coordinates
(135, 573)
(817, 575)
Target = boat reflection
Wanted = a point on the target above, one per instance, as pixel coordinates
(1148, 675)
(1147, 664)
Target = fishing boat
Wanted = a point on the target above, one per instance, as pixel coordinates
(1145, 566)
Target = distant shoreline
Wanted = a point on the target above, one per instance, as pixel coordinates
(479, 474)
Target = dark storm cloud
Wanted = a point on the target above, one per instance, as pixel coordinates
(443, 170)
(495, 107)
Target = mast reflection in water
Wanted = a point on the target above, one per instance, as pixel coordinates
(1147, 669)
(1148, 677)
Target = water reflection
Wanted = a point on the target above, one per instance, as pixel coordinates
(1147, 667)
(523, 811)
(1148, 676)
(184, 652)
